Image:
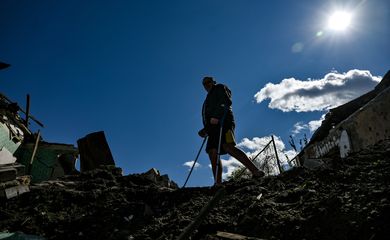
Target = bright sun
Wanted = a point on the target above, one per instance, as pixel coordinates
(339, 20)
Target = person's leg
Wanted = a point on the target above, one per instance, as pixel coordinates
(213, 155)
(211, 149)
(243, 158)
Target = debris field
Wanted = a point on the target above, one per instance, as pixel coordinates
(343, 199)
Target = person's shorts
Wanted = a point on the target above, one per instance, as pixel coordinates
(213, 141)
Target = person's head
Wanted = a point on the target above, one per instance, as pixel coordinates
(208, 83)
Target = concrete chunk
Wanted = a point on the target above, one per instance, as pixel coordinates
(94, 151)
(14, 191)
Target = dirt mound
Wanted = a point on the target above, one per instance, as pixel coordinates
(348, 200)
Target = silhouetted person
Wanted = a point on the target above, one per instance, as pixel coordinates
(216, 109)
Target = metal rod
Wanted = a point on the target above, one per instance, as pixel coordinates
(276, 154)
(219, 144)
(218, 154)
(262, 150)
(243, 170)
(196, 159)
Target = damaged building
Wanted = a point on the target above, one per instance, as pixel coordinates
(351, 127)
(25, 157)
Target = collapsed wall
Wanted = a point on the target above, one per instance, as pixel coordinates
(353, 126)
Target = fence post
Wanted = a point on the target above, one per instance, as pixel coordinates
(276, 154)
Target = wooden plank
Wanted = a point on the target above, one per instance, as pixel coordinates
(231, 236)
(202, 214)
(234, 236)
(27, 110)
(34, 151)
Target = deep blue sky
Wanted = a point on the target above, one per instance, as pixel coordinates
(133, 68)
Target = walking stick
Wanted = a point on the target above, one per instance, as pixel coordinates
(196, 159)
(219, 144)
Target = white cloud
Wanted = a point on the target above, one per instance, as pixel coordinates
(190, 163)
(299, 127)
(255, 144)
(311, 126)
(331, 91)
(229, 166)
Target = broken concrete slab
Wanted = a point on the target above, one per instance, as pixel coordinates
(14, 191)
(6, 156)
(94, 151)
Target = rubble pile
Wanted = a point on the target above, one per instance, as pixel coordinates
(344, 199)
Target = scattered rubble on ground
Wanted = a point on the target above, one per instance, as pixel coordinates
(346, 200)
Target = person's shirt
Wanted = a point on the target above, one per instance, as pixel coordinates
(218, 100)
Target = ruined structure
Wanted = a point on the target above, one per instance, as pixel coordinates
(353, 126)
(13, 131)
(24, 156)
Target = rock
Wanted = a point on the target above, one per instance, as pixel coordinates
(154, 176)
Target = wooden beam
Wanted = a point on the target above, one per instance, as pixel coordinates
(202, 214)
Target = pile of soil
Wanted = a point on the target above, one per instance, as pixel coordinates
(348, 199)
